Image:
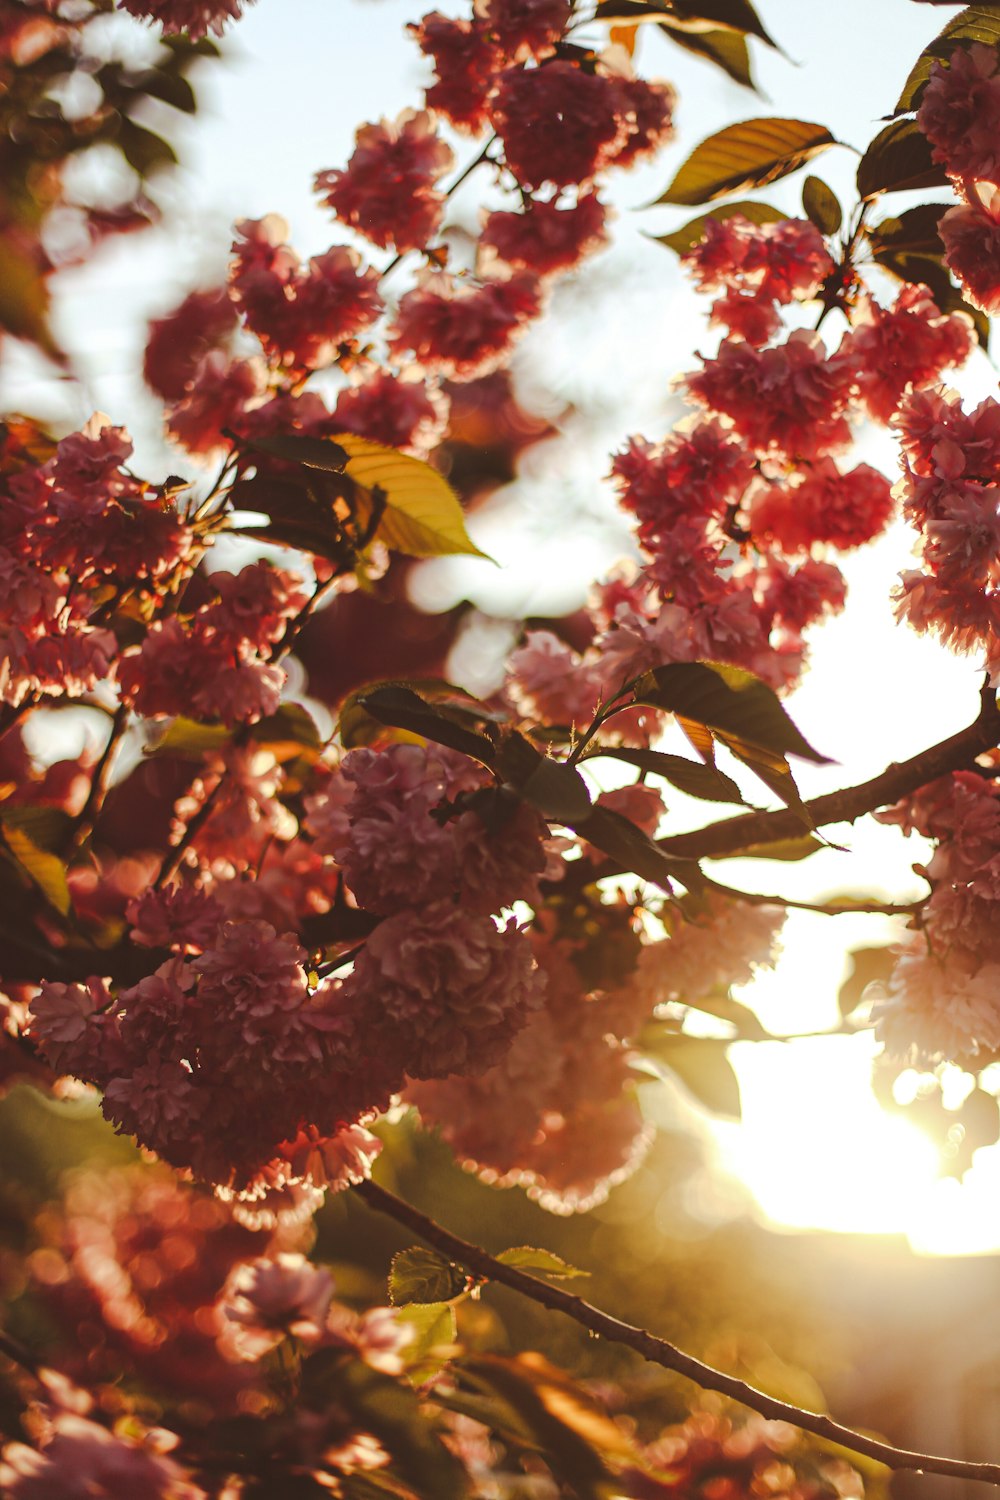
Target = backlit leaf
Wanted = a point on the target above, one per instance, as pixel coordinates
(977, 23)
(701, 1065)
(433, 1328)
(788, 850)
(727, 700)
(821, 205)
(540, 1262)
(187, 738)
(401, 708)
(423, 1275)
(732, 15)
(684, 239)
(689, 776)
(46, 870)
(423, 516)
(750, 154)
(728, 50)
(911, 233)
(867, 966)
(898, 159)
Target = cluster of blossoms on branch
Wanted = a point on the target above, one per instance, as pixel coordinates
(254, 937)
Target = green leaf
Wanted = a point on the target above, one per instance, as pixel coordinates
(731, 15)
(773, 770)
(423, 516)
(189, 739)
(170, 86)
(422, 1275)
(701, 1065)
(899, 159)
(867, 966)
(788, 850)
(293, 448)
(289, 730)
(24, 297)
(728, 50)
(684, 239)
(401, 708)
(144, 151)
(434, 1329)
(631, 850)
(725, 1008)
(47, 871)
(556, 789)
(689, 776)
(977, 23)
(914, 232)
(747, 155)
(542, 1262)
(727, 700)
(821, 205)
(48, 827)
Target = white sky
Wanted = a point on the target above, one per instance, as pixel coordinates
(299, 76)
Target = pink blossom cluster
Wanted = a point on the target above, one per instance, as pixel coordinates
(943, 997)
(757, 268)
(958, 114)
(77, 530)
(196, 17)
(217, 662)
(558, 1113)
(951, 488)
(218, 1062)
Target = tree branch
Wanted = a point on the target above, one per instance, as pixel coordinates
(849, 804)
(659, 1351)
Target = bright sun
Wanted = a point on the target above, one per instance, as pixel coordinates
(816, 1150)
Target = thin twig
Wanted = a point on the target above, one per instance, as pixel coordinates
(733, 834)
(101, 779)
(846, 906)
(660, 1351)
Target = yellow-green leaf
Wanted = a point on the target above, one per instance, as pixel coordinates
(750, 154)
(422, 1275)
(541, 1262)
(899, 159)
(728, 700)
(46, 870)
(821, 205)
(728, 50)
(423, 516)
(188, 738)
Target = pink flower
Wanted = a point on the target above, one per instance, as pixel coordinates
(908, 344)
(545, 238)
(466, 62)
(65, 1020)
(442, 991)
(699, 470)
(843, 509)
(180, 916)
(216, 398)
(796, 597)
(558, 123)
(939, 1010)
(266, 1299)
(960, 113)
(300, 315)
(177, 342)
(197, 17)
(970, 234)
(758, 266)
(723, 947)
(648, 110)
(463, 329)
(387, 190)
(395, 410)
(80, 1459)
(524, 28)
(793, 398)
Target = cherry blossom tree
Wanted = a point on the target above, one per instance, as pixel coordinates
(261, 931)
